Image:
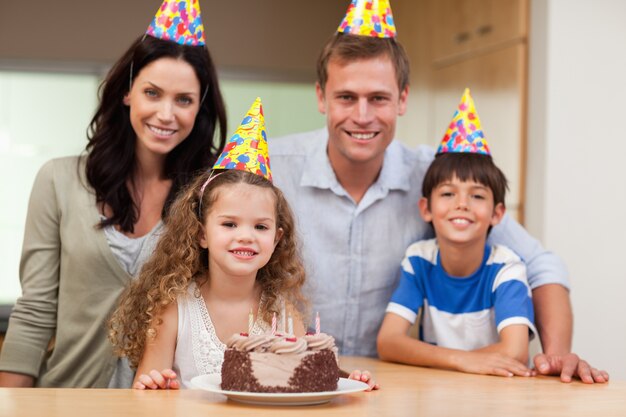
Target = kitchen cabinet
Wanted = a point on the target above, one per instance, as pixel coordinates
(461, 27)
(482, 44)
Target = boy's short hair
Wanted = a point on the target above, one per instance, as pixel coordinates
(346, 48)
(466, 166)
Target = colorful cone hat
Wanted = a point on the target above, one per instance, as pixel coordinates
(369, 18)
(246, 150)
(464, 133)
(178, 21)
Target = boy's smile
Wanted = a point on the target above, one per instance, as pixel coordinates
(461, 222)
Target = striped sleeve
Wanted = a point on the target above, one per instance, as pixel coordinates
(512, 296)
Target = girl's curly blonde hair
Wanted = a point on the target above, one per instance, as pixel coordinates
(179, 259)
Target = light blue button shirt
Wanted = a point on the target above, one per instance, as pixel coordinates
(353, 252)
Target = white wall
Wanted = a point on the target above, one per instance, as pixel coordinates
(576, 193)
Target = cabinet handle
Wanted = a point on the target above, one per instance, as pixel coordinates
(484, 30)
(461, 37)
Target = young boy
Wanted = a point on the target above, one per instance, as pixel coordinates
(475, 302)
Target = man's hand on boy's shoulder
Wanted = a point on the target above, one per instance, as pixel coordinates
(568, 366)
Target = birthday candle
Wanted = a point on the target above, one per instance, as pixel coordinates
(317, 323)
(250, 322)
(290, 321)
(274, 324)
(284, 317)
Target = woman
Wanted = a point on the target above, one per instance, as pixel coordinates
(93, 219)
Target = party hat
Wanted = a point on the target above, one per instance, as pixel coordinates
(369, 18)
(178, 21)
(464, 133)
(246, 150)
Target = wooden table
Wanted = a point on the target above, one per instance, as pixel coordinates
(406, 391)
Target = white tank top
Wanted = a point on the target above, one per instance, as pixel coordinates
(198, 349)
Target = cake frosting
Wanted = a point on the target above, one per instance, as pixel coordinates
(275, 363)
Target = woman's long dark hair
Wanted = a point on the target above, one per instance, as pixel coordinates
(111, 147)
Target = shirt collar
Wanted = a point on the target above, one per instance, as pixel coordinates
(397, 168)
(317, 171)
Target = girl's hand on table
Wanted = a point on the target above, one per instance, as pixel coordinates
(364, 376)
(166, 379)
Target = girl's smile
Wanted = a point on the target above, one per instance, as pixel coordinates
(243, 253)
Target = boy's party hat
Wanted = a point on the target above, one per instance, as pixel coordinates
(369, 18)
(178, 21)
(464, 133)
(246, 150)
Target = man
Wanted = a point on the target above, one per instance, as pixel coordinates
(355, 191)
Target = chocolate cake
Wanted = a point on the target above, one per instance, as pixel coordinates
(274, 363)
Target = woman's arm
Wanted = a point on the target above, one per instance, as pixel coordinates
(10, 379)
(34, 317)
(154, 369)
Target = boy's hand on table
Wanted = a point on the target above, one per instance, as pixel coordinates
(568, 366)
(491, 363)
(166, 379)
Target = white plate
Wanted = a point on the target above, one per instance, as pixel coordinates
(212, 383)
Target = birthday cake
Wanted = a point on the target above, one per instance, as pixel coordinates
(275, 363)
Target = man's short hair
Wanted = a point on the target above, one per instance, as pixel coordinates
(466, 167)
(346, 48)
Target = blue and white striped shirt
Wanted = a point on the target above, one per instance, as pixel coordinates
(463, 313)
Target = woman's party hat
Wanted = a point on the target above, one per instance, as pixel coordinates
(369, 18)
(178, 21)
(246, 150)
(464, 133)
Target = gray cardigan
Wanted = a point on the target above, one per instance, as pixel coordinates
(70, 284)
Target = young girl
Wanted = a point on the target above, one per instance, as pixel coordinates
(93, 219)
(226, 251)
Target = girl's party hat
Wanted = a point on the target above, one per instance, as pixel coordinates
(369, 18)
(464, 133)
(246, 150)
(178, 21)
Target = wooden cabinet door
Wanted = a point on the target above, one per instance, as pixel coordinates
(450, 27)
(463, 26)
(497, 84)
